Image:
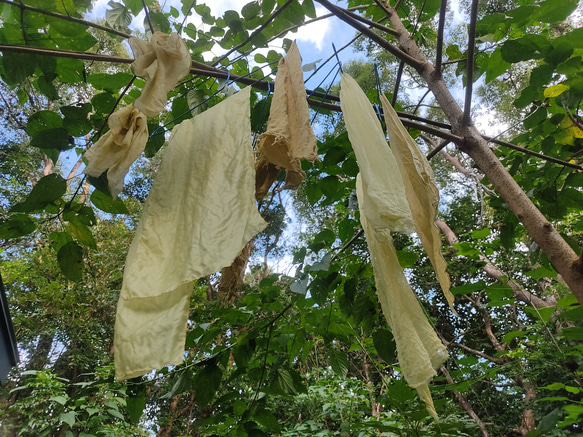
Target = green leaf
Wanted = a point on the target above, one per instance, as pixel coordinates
(206, 383)
(80, 231)
(338, 362)
(59, 239)
(155, 142)
(42, 121)
(110, 82)
(384, 343)
(70, 258)
(406, 258)
(58, 139)
(300, 286)
(283, 382)
(16, 226)
(103, 102)
(309, 9)
(76, 119)
(47, 190)
(542, 272)
(468, 288)
(575, 334)
(68, 418)
(135, 406)
(105, 203)
(267, 419)
(323, 264)
(17, 67)
(251, 10)
(509, 336)
(481, 234)
(496, 65)
(551, 11)
(118, 16)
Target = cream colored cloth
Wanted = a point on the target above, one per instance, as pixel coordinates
(162, 62)
(419, 350)
(422, 194)
(289, 137)
(200, 213)
(119, 147)
(381, 180)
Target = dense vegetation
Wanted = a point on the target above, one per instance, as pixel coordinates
(303, 349)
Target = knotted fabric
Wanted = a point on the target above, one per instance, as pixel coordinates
(162, 62)
(422, 194)
(289, 137)
(200, 213)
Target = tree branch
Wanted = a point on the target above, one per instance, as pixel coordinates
(441, 26)
(470, 64)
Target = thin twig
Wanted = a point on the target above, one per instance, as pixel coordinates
(470, 65)
(148, 16)
(397, 82)
(441, 26)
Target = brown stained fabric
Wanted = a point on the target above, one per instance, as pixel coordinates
(289, 137)
(199, 215)
(265, 176)
(119, 147)
(422, 194)
(162, 62)
(232, 276)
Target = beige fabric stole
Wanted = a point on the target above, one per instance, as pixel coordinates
(162, 61)
(422, 194)
(289, 137)
(199, 214)
(384, 209)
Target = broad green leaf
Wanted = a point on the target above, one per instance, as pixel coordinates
(110, 82)
(551, 11)
(338, 361)
(555, 90)
(309, 9)
(542, 272)
(300, 286)
(206, 383)
(267, 419)
(407, 258)
(57, 139)
(76, 119)
(47, 190)
(17, 67)
(59, 239)
(68, 418)
(323, 264)
(481, 234)
(575, 334)
(155, 142)
(468, 288)
(70, 70)
(496, 66)
(251, 10)
(105, 203)
(81, 231)
(16, 226)
(509, 336)
(118, 15)
(103, 102)
(385, 345)
(70, 258)
(45, 86)
(59, 399)
(42, 121)
(283, 382)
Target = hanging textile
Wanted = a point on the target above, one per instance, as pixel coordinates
(419, 350)
(119, 147)
(162, 62)
(289, 137)
(199, 215)
(383, 209)
(381, 179)
(422, 194)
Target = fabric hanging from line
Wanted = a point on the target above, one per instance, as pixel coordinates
(200, 213)
(381, 180)
(422, 194)
(162, 62)
(289, 137)
(384, 209)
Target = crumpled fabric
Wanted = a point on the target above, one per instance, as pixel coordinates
(381, 180)
(289, 137)
(419, 350)
(162, 62)
(199, 215)
(119, 147)
(422, 194)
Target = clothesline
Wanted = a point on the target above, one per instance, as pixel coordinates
(201, 69)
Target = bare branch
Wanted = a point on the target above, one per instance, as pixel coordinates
(470, 64)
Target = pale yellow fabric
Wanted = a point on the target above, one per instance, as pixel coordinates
(200, 213)
(422, 194)
(289, 137)
(381, 180)
(419, 350)
(162, 62)
(119, 147)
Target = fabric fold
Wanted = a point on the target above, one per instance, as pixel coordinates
(162, 62)
(419, 350)
(381, 180)
(422, 194)
(289, 137)
(119, 147)
(199, 215)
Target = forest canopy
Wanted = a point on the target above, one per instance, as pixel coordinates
(290, 339)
